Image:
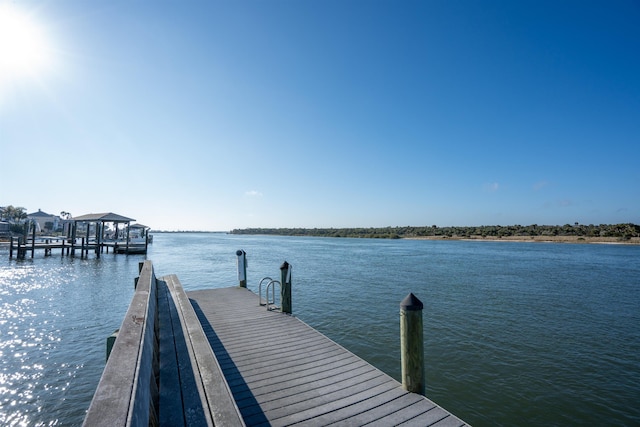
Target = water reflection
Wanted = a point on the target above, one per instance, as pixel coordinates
(54, 316)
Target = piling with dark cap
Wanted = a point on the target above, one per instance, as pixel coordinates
(412, 344)
(242, 268)
(285, 288)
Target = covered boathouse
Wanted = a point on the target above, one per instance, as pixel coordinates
(121, 245)
(88, 233)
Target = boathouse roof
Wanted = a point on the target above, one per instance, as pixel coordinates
(102, 217)
(136, 225)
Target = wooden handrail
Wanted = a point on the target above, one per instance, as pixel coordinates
(126, 394)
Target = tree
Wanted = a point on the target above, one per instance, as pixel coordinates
(13, 214)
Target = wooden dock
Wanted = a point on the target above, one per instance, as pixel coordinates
(91, 241)
(282, 372)
(70, 246)
(221, 358)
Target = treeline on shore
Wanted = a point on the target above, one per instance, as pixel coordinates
(620, 231)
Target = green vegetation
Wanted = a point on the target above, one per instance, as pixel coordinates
(620, 231)
(15, 216)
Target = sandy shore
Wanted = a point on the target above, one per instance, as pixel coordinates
(542, 239)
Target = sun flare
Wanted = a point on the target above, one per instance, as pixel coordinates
(23, 45)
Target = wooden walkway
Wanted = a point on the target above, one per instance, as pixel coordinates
(283, 372)
(70, 245)
(218, 358)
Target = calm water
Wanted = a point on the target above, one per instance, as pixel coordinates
(515, 333)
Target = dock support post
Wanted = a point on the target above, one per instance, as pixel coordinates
(88, 238)
(128, 229)
(412, 345)
(242, 268)
(33, 240)
(285, 288)
(98, 242)
(73, 238)
(136, 279)
(11, 248)
(22, 250)
(111, 340)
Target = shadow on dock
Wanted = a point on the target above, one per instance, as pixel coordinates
(176, 375)
(247, 403)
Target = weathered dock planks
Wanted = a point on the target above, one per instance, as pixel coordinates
(283, 372)
(218, 358)
(161, 370)
(200, 376)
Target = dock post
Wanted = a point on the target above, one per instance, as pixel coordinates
(86, 239)
(285, 288)
(73, 238)
(128, 230)
(11, 248)
(33, 240)
(111, 340)
(242, 268)
(98, 242)
(22, 250)
(412, 345)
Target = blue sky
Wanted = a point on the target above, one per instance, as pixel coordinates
(220, 115)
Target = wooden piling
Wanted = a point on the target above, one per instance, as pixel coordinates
(73, 238)
(98, 240)
(111, 340)
(11, 248)
(88, 239)
(33, 240)
(128, 230)
(285, 287)
(242, 268)
(412, 345)
(22, 251)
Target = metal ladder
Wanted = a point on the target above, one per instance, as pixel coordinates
(269, 303)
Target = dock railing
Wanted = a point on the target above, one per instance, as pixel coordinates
(127, 393)
(161, 323)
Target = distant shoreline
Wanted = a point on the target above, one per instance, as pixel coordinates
(629, 236)
(578, 233)
(538, 239)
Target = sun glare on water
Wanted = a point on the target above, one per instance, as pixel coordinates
(24, 50)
